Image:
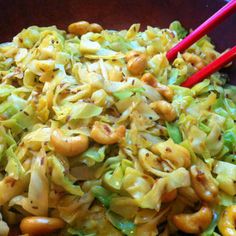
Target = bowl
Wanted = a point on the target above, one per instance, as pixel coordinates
(116, 14)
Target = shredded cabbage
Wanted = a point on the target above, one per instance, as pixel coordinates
(51, 80)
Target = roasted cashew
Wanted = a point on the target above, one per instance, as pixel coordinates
(164, 109)
(96, 28)
(227, 222)
(104, 134)
(193, 59)
(136, 62)
(69, 146)
(194, 223)
(83, 27)
(79, 28)
(149, 79)
(164, 90)
(131, 54)
(37, 225)
(203, 185)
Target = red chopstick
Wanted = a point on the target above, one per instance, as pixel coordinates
(224, 59)
(202, 30)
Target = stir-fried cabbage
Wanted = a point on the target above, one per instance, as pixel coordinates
(133, 172)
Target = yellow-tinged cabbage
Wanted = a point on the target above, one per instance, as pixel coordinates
(124, 206)
(225, 168)
(151, 162)
(60, 178)
(158, 64)
(132, 32)
(87, 45)
(174, 154)
(107, 54)
(11, 187)
(113, 179)
(72, 208)
(198, 141)
(39, 67)
(227, 184)
(152, 199)
(136, 183)
(214, 140)
(38, 188)
(13, 168)
(37, 138)
(148, 220)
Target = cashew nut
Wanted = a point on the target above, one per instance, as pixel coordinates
(37, 225)
(194, 223)
(79, 28)
(83, 27)
(169, 196)
(193, 59)
(164, 109)
(149, 79)
(95, 28)
(164, 90)
(104, 134)
(203, 185)
(69, 146)
(136, 62)
(131, 54)
(227, 222)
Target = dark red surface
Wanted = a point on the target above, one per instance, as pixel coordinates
(115, 14)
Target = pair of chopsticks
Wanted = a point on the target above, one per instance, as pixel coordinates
(198, 33)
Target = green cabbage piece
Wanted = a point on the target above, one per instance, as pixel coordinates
(6, 90)
(179, 29)
(6, 140)
(230, 107)
(78, 232)
(225, 168)
(24, 120)
(204, 127)
(123, 94)
(127, 227)
(14, 167)
(229, 137)
(90, 157)
(211, 228)
(230, 158)
(173, 77)
(59, 177)
(103, 195)
(226, 200)
(174, 132)
(84, 110)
